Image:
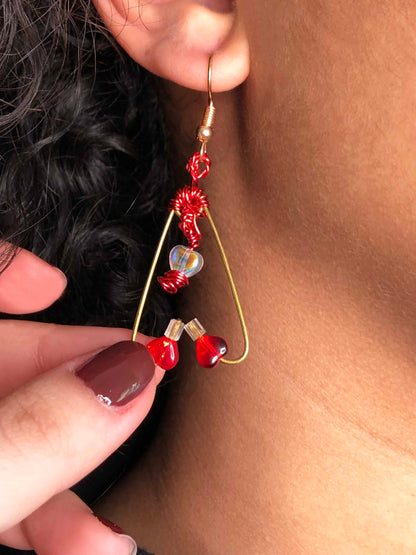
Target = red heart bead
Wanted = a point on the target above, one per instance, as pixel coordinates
(164, 352)
(210, 349)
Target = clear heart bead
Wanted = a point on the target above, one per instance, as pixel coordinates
(185, 260)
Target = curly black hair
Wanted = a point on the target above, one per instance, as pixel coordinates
(84, 174)
(83, 162)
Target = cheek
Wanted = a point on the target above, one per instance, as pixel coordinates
(333, 106)
(330, 109)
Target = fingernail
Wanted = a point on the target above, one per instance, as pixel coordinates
(119, 373)
(132, 545)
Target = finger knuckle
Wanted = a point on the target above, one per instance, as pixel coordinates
(32, 425)
(43, 347)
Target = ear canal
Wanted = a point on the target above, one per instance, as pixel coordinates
(175, 38)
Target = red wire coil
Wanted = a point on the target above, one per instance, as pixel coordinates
(190, 203)
(173, 280)
(193, 166)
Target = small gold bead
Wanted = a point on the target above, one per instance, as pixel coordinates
(204, 133)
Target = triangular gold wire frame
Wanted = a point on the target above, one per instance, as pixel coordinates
(229, 276)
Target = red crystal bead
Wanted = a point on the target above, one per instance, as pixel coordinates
(209, 350)
(164, 352)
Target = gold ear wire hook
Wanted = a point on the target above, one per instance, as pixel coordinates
(209, 85)
(204, 132)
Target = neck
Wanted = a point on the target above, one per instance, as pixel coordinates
(287, 452)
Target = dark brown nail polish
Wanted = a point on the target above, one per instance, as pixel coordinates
(119, 373)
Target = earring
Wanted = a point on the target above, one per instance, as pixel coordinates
(190, 204)
(164, 350)
(209, 348)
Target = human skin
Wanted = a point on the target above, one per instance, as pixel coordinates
(309, 446)
(50, 420)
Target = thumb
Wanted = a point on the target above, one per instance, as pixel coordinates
(59, 426)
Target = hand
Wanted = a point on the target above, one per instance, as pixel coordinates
(53, 428)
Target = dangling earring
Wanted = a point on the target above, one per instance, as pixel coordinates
(189, 204)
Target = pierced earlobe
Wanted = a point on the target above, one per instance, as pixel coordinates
(174, 38)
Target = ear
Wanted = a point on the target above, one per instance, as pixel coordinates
(174, 39)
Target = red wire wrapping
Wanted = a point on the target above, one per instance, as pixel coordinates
(190, 203)
(193, 166)
(173, 280)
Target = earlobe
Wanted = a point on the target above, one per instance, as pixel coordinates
(174, 39)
